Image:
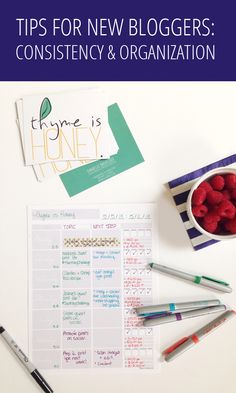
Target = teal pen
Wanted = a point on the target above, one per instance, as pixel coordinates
(172, 307)
(208, 282)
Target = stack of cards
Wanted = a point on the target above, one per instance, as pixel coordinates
(65, 130)
(75, 135)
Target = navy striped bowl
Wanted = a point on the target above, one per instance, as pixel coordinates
(206, 176)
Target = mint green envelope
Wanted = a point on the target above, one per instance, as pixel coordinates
(129, 155)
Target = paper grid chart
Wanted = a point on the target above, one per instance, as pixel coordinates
(88, 271)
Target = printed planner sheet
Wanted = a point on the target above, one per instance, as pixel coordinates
(87, 272)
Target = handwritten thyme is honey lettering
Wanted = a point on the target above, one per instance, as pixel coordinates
(64, 138)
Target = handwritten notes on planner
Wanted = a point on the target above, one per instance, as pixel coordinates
(87, 272)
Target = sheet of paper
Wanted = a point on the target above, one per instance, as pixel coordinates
(66, 126)
(87, 272)
(129, 155)
(46, 170)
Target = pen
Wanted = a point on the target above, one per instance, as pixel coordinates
(188, 342)
(141, 311)
(208, 282)
(156, 314)
(25, 361)
(159, 320)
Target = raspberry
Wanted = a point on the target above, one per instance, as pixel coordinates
(226, 195)
(230, 225)
(226, 209)
(230, 181)
(233, 194)
(199, 196)
(211, 217)
(214, 197)
(210, 226)
(217, 182)
(199, 211)
(206, 186)
(220, 229)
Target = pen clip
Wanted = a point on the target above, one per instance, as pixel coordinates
(175, 345)
(154, 316)
(215, 280)
(157, 314)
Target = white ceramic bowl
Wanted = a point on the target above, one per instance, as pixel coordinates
(218, 171)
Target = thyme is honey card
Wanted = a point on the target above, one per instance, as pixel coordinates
(66, 126)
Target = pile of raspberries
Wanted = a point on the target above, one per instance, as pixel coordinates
(214, 204)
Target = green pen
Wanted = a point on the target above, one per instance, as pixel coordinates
(205, 281)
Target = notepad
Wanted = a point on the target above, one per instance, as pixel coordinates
(87, 270)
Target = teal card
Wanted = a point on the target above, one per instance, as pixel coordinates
(129, 155)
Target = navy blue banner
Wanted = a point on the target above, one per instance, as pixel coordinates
(113, 41)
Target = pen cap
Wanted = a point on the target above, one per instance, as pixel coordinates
(215, 324)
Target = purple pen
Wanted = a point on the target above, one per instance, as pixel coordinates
(159, 320)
